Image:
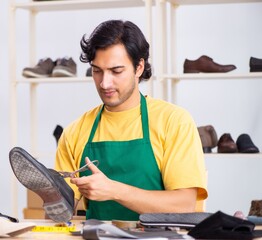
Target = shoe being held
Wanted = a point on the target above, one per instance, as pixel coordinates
(43, 69)
(226, 144)
(208, 138)
(56, 194)
(255, 64)
(206, 64)
(246, 145)
(65, 67)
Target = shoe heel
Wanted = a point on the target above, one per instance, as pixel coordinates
(59, 211)
(207, 149)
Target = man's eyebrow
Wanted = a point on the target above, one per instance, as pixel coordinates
(112, 68)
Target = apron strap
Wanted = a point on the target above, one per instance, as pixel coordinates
(144, 117)
(98, 117)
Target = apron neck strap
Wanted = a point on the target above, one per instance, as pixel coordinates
(144, 116)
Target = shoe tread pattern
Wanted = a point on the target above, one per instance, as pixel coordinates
(27, 174)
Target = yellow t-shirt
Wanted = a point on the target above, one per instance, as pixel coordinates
(173, 134)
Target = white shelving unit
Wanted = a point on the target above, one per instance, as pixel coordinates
(166, 16)
(34, 8)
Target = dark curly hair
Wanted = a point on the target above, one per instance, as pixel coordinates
(113, 32)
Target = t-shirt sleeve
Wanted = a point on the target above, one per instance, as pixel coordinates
(65, 161)
(183, 161)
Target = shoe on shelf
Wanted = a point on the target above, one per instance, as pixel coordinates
(255, 64)
(56, 194)
(226, 144)
(208, 137)
(57, 132)
(206, 64)
(89, 72)
(65, 67)
(246, 145)
(43, 69)
(11, 229)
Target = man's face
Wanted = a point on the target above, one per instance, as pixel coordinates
(115, 78)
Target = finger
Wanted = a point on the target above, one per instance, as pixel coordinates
(91, 166)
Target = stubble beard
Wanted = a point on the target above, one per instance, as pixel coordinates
(122, 97)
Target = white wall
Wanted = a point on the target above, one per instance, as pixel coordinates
(229, 33)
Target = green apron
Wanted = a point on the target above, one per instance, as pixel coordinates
(131, 162)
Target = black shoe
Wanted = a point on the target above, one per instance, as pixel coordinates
(89, 72)
(245, 144)
(57, 133)
(255, 64)
(58, 197)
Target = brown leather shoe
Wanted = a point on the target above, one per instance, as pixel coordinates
(206, 64)
(226, 144)
(208, 138)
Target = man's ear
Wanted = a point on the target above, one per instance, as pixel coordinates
(140, 67)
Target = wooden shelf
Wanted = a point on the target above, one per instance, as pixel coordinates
(55, 80)
(198, 2)
(70, 5)
(221, 76)
(233, 155)
(78, 5)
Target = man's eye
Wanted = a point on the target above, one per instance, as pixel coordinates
(96, 70)
(117, 72)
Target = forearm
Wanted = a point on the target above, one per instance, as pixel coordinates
(145, 201)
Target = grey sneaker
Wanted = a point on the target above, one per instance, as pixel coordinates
(56, 194)
(65, 67)
(43, 69)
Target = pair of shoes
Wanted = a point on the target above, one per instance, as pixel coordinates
(208, 137)
(255, 64)
(10, 228)
(46, 67)
(244, 144)
(206, 64)
(56, 194)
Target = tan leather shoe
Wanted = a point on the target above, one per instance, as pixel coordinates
(208, 137)
(206, 64)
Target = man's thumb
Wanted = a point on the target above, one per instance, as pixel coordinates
(93, 168)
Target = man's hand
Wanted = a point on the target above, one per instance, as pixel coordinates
(99, 187)
(96, 186)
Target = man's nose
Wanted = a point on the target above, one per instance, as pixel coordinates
(107, 81)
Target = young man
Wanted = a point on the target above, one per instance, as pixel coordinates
(149, 151)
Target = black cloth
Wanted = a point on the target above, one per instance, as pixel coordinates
(222, 226)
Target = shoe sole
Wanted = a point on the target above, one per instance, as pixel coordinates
(32, 177)
(30, 74)
(62, 73)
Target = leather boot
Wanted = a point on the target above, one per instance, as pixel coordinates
(208, 138)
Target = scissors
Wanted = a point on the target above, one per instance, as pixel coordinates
(65, 174)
